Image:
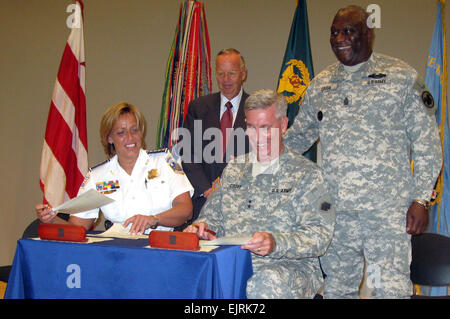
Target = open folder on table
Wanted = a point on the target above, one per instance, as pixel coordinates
(86, 201)
(227, 240)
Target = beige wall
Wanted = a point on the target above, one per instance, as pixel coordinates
(127, 46)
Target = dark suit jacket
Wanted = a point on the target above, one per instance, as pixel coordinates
(207, 109)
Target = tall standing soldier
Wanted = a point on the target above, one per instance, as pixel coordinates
(211, 112)
(373, 116)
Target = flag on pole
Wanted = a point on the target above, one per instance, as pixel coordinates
(188, 71)
(64, 159)
(436, 80)
(297, 68)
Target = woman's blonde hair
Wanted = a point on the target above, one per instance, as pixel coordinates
(110, 117)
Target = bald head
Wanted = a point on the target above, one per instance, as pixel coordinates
(351, 39)
(356, 11)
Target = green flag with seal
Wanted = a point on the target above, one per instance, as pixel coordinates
(297, 68)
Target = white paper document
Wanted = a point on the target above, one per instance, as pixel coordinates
(118, 231)
(86, 201)
(231, 240)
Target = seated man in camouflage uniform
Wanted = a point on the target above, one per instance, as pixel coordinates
(279, 199)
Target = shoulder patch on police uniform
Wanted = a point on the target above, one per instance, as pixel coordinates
(174, 165)
(85, 180)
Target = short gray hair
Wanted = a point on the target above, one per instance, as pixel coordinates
(229, 51)
(364, 15)
(265, 98)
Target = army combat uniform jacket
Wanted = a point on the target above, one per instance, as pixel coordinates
(371, 124)
(293, 205)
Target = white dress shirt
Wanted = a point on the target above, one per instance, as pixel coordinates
(154, 183)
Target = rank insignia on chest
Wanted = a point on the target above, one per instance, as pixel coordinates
(153, 173)
(320, 116)
(348, 101)
(107, 187)
(325, 206)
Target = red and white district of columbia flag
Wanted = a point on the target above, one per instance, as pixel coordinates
(64, 160)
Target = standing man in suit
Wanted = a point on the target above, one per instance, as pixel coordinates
(224, 108)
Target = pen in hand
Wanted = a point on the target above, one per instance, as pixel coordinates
(211, 232)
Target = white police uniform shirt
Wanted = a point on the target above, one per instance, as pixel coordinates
(156, 180)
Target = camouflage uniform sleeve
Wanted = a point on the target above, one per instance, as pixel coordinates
(314, 223)
(424, 137)
(211, 212)
(305, 129)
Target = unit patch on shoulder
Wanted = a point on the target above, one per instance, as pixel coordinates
(424, 94)
(427, 99)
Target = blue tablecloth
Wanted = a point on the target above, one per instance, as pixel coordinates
(124, 269)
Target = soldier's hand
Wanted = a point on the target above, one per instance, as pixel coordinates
(201, 229)
(416, 219)
(261, 244)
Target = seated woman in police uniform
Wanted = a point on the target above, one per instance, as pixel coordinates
(149, 188)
